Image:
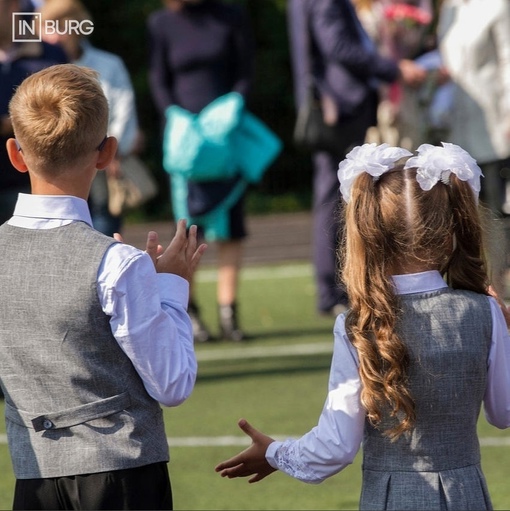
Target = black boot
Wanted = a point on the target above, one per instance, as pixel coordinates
(200, 332)
(229, 328)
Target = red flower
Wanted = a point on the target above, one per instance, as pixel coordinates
(407, 13)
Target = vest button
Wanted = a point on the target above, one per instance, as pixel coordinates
(47, 424)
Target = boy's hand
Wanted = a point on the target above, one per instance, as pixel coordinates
(182, 255)
(251, 461)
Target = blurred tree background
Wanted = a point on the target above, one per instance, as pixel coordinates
(120, 27)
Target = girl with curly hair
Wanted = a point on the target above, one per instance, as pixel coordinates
(422, 347)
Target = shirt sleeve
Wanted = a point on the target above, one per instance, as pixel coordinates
(149, 320)
(339, 42)
(333, 444)
(118, 89)
(501, 39)
(497, 393)
(123, 123)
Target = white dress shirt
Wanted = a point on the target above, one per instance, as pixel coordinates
(333, 444)
(474, 41)
(147, 310)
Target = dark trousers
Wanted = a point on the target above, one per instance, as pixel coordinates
(493, 195)
(326, 232)
(327, 203)
(146, 487)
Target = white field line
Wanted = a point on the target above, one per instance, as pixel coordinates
(287, 271)
(222, 441)
(239, 441)
(266, 351)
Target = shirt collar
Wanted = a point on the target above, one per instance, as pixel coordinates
(419, 282)
(52, 207)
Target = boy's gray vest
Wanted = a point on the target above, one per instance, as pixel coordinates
(74, 403)
(437, 465)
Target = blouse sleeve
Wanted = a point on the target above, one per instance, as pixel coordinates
(333, 444)
(497, 393)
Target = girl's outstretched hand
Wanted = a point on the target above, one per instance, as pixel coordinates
(251, 461)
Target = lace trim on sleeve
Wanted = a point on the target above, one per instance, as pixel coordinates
(288, 459)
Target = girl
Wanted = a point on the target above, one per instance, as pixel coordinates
(422, 346)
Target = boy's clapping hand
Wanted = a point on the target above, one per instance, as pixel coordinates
(182, 255)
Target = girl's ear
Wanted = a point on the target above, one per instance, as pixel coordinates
(106, 153)
(16, 155)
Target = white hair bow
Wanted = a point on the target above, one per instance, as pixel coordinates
(370, 158)
(435, 163)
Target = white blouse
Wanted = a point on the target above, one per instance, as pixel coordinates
(333, 444)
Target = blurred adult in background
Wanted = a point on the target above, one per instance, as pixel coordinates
(17, 61)
(401, 29)
(346, 70)
(474, 39)
(201, 50)
(118, 89)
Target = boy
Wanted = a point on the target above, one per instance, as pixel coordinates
(94, 333)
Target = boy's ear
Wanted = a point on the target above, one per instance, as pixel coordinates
(16, 155)
(107, 153)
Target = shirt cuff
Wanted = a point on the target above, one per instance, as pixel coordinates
(173, 288)
(271, 453)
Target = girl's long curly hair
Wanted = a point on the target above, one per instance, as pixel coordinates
(389, 224)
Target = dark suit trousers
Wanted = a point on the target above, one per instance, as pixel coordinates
(327, 208)
(146, 487)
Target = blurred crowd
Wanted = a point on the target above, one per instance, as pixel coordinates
(404, 72)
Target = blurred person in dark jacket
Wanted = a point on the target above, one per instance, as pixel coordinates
(328, 42)
(18, 59)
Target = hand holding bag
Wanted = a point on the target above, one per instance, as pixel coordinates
(310, 130)
(133, 188)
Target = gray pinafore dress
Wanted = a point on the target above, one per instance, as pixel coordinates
(436, 465)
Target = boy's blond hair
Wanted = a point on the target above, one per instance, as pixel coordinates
(59, 115)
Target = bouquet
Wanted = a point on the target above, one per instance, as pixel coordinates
(406, 26)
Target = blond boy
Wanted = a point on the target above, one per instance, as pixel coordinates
(94, 333)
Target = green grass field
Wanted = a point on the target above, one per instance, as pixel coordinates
(278, 381)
